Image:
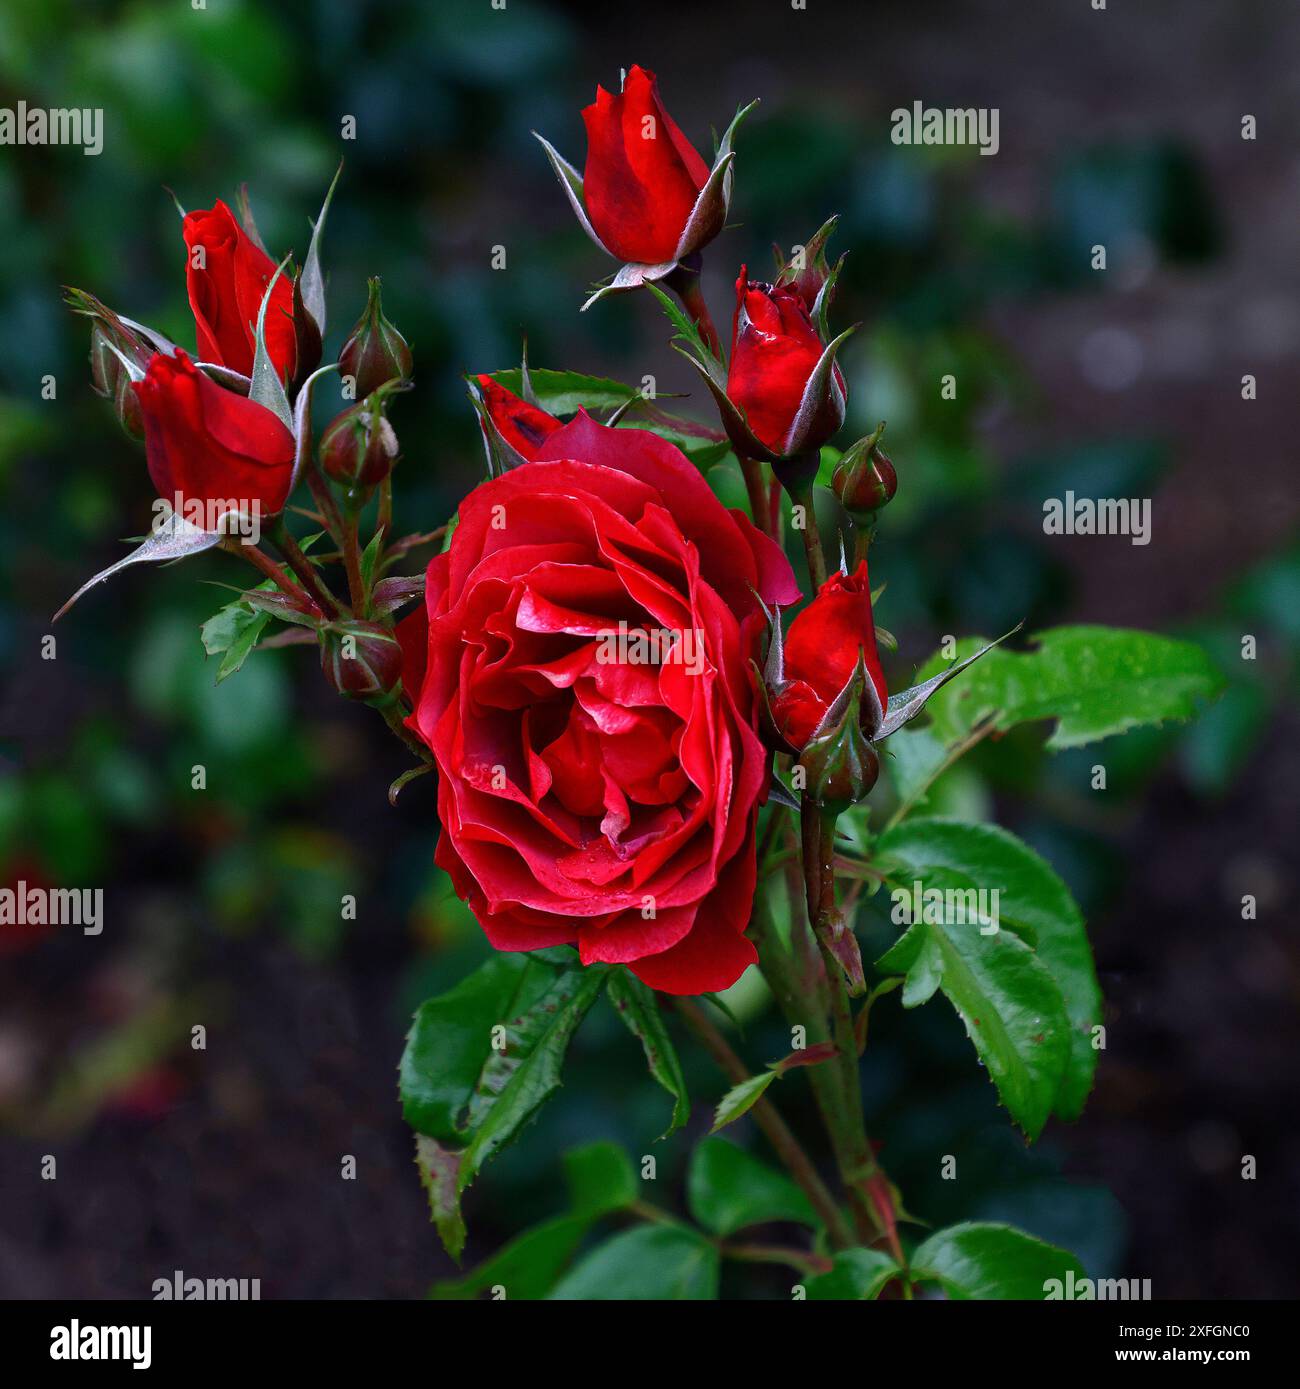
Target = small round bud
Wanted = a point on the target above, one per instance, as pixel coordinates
(865, 479)
(361, 660)
(359, 447)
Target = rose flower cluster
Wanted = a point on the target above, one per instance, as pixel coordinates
(588, 794)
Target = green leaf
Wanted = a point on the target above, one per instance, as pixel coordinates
(644, 1264)
(457, 1086)
(370, 557)
(1095, 681)
(223, 628)
(639, 1009)
(601, 1179)
(451, 1039)
(992, 1261)
(859, 1275)
(1012, 1008)
(1033, 902)
(439, 1169)
(727, 1189)
(527, 1268)
(517, 1080)
(740, 1099)
(567, 392)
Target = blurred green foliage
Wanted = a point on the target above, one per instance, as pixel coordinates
(99, 744)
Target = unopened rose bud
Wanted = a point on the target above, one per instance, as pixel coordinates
(359, 447)
(840, 765)
(375, 352)
(361, 660)
(822, 655)
(865, 480)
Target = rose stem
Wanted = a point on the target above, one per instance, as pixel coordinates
(769, 1120)
(263, 562)
(689, 292)
(352, 563)
(812, 541)
(858, 1167)
(756, 488)
(303, 567)
(771, 1254)
(384, 522)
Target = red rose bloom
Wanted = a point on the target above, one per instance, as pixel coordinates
(821, 654)
(524, 427)
(226, 295)
(207, 443)
(589, 793)
(643, 176)
(774, 348)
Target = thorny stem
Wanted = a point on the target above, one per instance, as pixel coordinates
(265, 565)
(835, 1084)
(320, 489)
(774, 1127)
(303, 568)
(352, 564)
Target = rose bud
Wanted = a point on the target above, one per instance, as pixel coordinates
(775, 354)
(375, 352)
(359, 447)
(865, 479)
(226, 274)
(646, 197)
(361, 660)
(513, 428)
(207, 443)
(814, 666)
(809, 275)
(840, 765)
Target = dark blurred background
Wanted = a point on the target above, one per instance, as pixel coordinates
(1120, 127)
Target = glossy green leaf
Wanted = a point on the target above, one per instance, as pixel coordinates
(567, 392)
(648, 1263)
(859, 1275)
(520, 1077)
(527, 1268)
(451, 1039)
(639, 1009)
(727, 1189)
(1094, 681)
(232, 632)
(992, 1261)
(480, 1061)
(740, 1099)
(1013, 1011)
(1033, 902)
(601, 1179)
